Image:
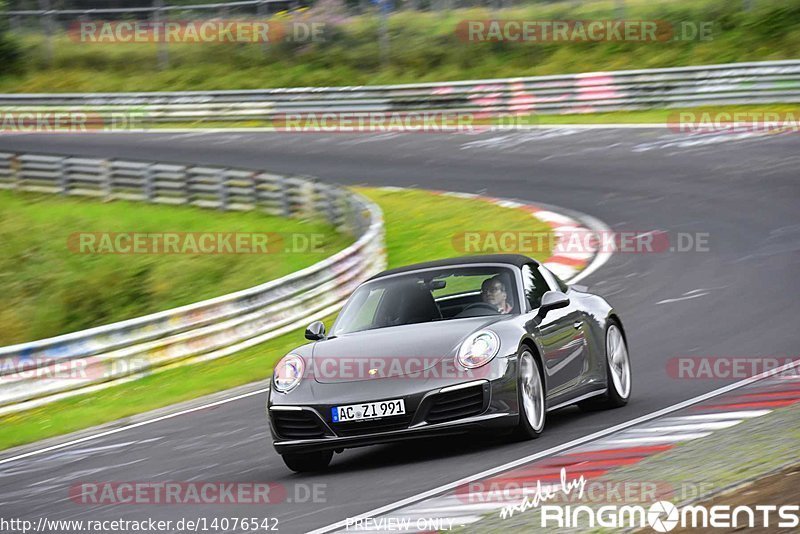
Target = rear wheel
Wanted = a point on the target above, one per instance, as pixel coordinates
(308, 461)
(531, 395)
(618, 372)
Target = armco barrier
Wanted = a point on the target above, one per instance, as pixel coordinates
(738, 83)
(207, 329)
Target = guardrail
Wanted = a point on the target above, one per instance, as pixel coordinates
(204, 330)
(738, 83)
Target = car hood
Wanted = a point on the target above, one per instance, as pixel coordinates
(392, 351)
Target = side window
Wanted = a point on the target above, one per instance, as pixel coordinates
(535, 285)
(561, 284)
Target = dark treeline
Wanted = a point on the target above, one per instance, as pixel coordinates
(100, 4)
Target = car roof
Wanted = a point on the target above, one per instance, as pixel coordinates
(517, 260)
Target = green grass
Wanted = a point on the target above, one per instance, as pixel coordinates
(422, 227)
(423, 47)
(419, 227)
(661, 116)
(48, 289)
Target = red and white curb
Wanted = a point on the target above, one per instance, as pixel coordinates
(458, 504)
(567, 265)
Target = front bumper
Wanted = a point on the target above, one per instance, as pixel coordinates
(433, 408)
(470, 424)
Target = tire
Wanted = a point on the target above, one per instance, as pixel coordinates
(530, 395)
(618, 373)
(308, 462)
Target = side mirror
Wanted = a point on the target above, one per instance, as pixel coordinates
(315, 331)
(552, 300)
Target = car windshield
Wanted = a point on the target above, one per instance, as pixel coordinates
(430, 295)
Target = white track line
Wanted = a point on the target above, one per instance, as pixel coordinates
(692, 427)
(721, 416)
(670, 438)
(602, 256)
(591, 437)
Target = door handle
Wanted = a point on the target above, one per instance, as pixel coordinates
(577, 324)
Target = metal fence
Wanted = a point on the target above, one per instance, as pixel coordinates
(46, 8)
(205, 330)
(49, 21)
(737, 83)
(224, 9)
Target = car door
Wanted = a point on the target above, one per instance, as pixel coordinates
(561, 333)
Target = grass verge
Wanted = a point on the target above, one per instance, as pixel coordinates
(422, 47)
(693, 116)
(50, 287)
(690, 117)
(419, 226)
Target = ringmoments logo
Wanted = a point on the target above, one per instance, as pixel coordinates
(660, 516)
(664, 516)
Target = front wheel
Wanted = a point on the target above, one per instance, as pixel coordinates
(308, 461)
(618, 372)
(530, 388)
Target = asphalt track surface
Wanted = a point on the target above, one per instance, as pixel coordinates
(739, 298)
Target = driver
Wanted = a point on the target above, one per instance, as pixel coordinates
(493, 292)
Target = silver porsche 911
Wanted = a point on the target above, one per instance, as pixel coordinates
(471, 344)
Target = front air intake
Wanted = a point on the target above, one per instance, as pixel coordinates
(456, 404)
(297, 424)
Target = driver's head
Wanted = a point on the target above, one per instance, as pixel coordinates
(493, 291)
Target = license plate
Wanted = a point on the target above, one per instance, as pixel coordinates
(367, 410)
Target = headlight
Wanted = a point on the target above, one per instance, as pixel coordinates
(478, 349)
(288, 373)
